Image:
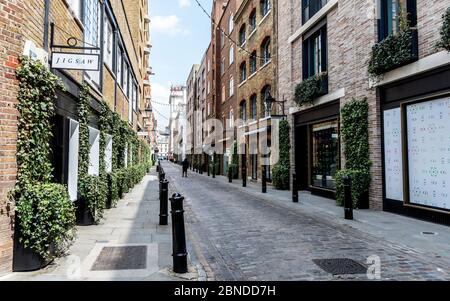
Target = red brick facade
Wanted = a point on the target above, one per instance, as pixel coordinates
(11, 47)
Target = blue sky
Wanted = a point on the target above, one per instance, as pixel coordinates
(180, 34)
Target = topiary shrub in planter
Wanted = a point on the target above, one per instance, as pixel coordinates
(310, 89)
(93, 191)
(46, 219)
(360, 187)
(444, 42)
(281, 170)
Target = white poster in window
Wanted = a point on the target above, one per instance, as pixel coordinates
(429, 153)
(74, 142)
(108, 153)
(94, 153)
(393, 160)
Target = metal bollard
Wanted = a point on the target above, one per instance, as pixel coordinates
(163, 202)
(348, 203)
(162, 175)
(264, 179)
(214, 171)
(178, 235)
(294, 188)
(244, 170)
(230, 176)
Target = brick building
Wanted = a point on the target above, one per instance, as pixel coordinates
(334, 39)
(256, 28)
(191, 109)
(120, 29)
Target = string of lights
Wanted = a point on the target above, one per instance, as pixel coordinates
(160, 114)
(227, 35)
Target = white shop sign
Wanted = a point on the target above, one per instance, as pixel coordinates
(75, 61)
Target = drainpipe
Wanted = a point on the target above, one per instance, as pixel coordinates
(46, 24)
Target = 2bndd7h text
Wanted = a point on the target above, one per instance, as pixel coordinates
(227, 290)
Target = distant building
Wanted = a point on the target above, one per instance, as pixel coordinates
(177, 123)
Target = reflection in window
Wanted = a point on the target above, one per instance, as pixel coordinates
(325, 154)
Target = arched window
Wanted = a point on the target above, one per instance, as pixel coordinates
(243, 110)
(253, 63)
(254, 107)
(242, 35)
(243, 72)
(265, 7)
(264, 94)
(265, 51)
(252, 21)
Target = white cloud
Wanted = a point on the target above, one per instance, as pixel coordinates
(184, 3)
(170, 25)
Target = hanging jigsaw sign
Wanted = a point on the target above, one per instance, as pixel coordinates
(75, 61)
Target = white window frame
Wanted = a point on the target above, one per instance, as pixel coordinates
(231, 86)
(231, 59)
(108, 43)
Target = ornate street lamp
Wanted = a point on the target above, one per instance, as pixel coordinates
(268, 104)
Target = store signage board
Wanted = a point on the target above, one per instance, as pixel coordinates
(76, 61)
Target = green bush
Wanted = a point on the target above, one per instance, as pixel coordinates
(281, 177)
(281, 170)
(360, 185)
(444, 42)
(46, 218)
(232, 170)
(114, 187)
(309, 89)
(393, 52)
(93, 190)
(355, 134)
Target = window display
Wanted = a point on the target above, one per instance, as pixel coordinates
(428, 125)
(325, 154)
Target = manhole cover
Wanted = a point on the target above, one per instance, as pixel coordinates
(341, 266)
(121, 258)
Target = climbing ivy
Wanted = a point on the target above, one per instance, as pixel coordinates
(281, 170)
(444, 42)
(46, 216)
(93, 189)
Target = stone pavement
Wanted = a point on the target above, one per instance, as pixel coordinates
(134, 223)
(244, 235)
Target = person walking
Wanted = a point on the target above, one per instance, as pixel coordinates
(185, 165)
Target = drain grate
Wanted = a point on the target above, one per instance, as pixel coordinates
(341, 266)
(121, 258)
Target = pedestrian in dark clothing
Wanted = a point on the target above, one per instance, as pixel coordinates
(185, 165)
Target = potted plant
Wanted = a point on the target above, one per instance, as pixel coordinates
(45, 221)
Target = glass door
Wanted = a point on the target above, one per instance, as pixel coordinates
(324, 154)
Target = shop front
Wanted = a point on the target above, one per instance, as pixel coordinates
(317, 144)
(416, 146)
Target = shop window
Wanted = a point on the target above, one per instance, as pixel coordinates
(315, 53)
(58, 148)
(324, 154)
(94, 152)
(391, 12)
(310, 8)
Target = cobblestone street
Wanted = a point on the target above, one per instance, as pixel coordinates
(243, 237)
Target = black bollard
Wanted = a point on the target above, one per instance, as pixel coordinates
(214, 171)
(264, 179)
(162, 175)
(178, 235)
(294, 188)
(209, 170)
(348, 203)
(244, 170)
(163, 202)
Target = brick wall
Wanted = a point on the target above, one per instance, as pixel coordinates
(11, 46)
